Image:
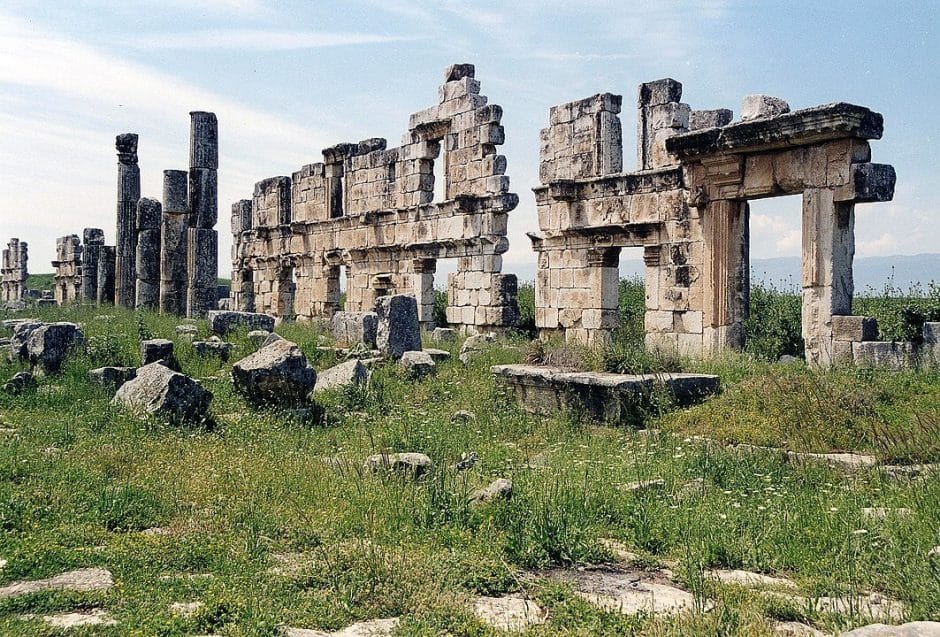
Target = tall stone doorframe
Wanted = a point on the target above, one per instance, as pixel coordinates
(686, 205)
(369, 212)
(14, 272)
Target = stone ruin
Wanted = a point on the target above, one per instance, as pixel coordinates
(371, 210)
(687, 206)
(166, 255)
(371, 213)
(14, 273)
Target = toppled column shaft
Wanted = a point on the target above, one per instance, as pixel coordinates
(148, 254)
(202, 241)
(173, 234)
(127, 196)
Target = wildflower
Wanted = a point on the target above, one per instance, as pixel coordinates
(723, 516)
(859, 532)
(833, 509)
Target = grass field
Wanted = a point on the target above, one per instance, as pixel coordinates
(267, 518)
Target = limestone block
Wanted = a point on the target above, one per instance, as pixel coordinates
(49, 345)
(223, 322)
(891, 354)
(418, 364)
(854, 328)
(398, 327)
(157, 349)
(163, 393)
(355, 327)
(699, 120)
(760, 106)
(346, 374)
(111, 378)
(276, 373)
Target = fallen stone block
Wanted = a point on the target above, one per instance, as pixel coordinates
(475, 345)
(349, 373)
(49, 345)
(83, 580)
(600, 396)
(157, 349)
(223, 321)
(214, 346)
(276, 373)
(513, 614)
(437, 355)
(19, 383)
(257, 338)
(399, 330)
(911, 629)
(165, 394)
(110, 378)
(416, 464)
(418, 364)
(186, 330)
(371, 628)
(355, 327)
(499, 489)
(22, 328)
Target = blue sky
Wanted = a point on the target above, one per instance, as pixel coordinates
(289, 78)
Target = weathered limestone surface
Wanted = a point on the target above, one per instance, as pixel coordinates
(398, 329)
(147, 266)
(346, 374)
(203, 241)
(107, 262)
(111, 377)
(156, 349)
(276, 373)
(163, 393)
(687, 207)
(223, 321)
(600, 396)
(49, 344)
(128, 190)
(67, 280)
(14, 271)
(371, 212)
(418, 364)
(92, 240)
(174, 229)
(355, 327)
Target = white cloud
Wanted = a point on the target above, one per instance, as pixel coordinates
(257, 40)
(884, 245)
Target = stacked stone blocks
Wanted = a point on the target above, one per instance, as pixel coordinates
(14, 271)
(370, 210)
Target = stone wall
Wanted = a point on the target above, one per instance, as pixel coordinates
(14, 271)
(687, 207)
(371, 210)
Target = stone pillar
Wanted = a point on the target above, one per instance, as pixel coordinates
(107, 256)
(127, 196)
(93, 239)
(203, 241)
(660, 116)
(242, 286)
(173, 237)
(14, 271)
(422, 284)
(828, 286)
(726, 284)
(149, 217)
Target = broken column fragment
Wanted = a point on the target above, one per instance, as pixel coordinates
(242, 291)
(202, 241)
(128, 193)
(149, 218)
(173, 236)
(92, 240)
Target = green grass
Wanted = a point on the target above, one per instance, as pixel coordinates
(79, 479)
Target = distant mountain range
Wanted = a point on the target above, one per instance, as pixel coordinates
(901, 272)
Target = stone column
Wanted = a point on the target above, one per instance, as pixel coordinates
(107, 256)
(726, 284)
(127, 196)
(203, 240)
(828, 285)
(422, 284)
(242, 286)
(149, 213)
(93, 239)
(173, 236)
